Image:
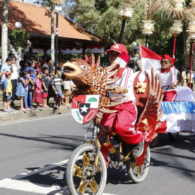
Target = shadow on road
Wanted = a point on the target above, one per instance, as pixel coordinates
(175, 159)
(60, 142)
(57, 177)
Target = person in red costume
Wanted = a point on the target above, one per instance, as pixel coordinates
(122, 122)
(167, 74)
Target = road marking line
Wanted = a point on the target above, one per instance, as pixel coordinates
(37, 188)
(33, 187)
(31, 120)
(14, 183)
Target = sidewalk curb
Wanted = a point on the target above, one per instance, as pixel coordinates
(19, 115)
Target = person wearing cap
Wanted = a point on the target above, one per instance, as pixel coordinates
(135, 62)
(123, 121)
(7, 92)
(167, 74)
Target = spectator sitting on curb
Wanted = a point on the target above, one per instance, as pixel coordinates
(7, 92)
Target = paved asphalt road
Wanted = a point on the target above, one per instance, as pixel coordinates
(42, 146)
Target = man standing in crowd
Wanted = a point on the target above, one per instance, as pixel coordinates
(48, 64)
(14, 80)
(183, 77)
(45, 83)
(5, 67)
(57, 88)
(135, 62)
(192, 79)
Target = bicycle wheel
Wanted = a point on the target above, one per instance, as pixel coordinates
(173, 136)
(154, 142)
(138, 173)
(79, 169)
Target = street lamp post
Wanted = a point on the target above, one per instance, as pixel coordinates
(176, 29)
(125, 11)
(18, 25)
(58, 8)
(191, 31)
(148, 28)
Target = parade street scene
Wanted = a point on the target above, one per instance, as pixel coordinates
(97, 97)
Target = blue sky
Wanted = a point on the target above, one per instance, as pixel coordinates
(30, 1)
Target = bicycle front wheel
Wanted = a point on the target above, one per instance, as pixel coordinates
(79, 172)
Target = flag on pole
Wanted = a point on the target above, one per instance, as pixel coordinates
(149, 59)
(122, 59)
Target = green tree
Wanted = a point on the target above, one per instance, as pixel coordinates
(102, 18)
(19, 38)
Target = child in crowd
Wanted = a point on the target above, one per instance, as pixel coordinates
(68, 85)
(31, 87)
(39, 69)
(56, 85)
(7, 92)
(38, 99)
(23, 66)
(30, 65)
(45, 85)
(21, 90)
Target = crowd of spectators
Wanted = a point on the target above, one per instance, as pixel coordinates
(34, 83)
(185, 78)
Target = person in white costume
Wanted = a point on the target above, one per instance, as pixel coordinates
(167, 74)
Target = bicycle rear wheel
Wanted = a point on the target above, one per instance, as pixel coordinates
(138, 173)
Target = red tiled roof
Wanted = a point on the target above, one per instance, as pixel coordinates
(34, 20)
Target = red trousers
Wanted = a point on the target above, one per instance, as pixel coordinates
(122, 123)
(170, 96)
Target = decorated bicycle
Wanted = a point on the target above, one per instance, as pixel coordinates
(113, 92)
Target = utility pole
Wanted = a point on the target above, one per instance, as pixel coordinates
(4, 31)
(52, 37)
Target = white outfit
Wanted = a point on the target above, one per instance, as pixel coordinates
(167, 78)
(67, 84)
(14, 75)
(126, 81)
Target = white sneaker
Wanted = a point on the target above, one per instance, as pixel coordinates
(138, 150)
(55, 105)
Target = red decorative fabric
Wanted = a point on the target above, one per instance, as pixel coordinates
(170, 96)
(162, 128)
(122, 123)
(120, 73)
(165, 71)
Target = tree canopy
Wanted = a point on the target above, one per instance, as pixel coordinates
(102, 17)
